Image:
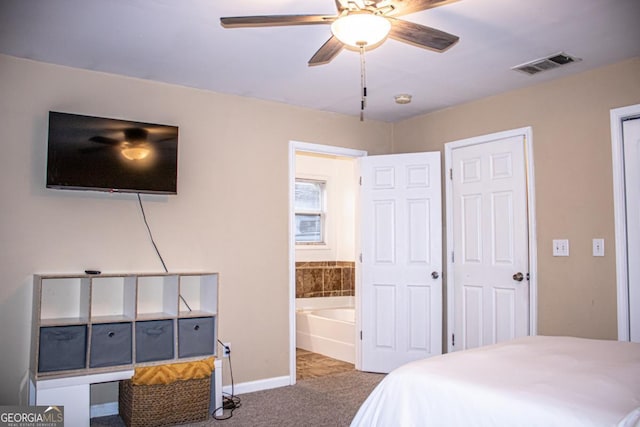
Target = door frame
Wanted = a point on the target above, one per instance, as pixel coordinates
(531, 212)
(294, 147)
(617, 116)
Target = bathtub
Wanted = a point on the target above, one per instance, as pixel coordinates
(328, 331)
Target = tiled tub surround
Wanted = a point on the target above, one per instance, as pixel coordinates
(325, 279)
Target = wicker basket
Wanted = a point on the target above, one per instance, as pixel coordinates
(179, 402)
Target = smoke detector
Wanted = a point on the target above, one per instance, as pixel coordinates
(403, 98)
(543, 64)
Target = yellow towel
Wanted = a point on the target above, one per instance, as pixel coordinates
(166, 374)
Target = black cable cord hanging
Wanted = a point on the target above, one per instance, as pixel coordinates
(144, 217)
(229, 402)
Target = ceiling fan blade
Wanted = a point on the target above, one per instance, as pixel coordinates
(93, 149)
(170, 138)
(104, 140)
(421, 35)
(405, 7)
(327, 52)
(275, 20)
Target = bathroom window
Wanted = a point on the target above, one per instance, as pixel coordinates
(310, 211)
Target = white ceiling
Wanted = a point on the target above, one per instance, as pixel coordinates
(182, 42)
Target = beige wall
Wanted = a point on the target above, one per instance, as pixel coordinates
(573, 179)
(230, 214)
(233, 166)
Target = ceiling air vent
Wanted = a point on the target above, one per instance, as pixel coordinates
(544, 64)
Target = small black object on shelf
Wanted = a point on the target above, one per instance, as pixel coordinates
(92, 271)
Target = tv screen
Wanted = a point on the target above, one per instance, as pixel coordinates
(102, 154)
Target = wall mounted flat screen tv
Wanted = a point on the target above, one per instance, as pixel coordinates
(102, 154)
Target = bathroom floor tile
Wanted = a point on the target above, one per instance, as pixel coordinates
(313, 365)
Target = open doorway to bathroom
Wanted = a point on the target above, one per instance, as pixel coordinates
(323, 212)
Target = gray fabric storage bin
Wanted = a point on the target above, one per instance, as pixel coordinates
(154, 340)
(195, 336)
(62, 348)
(111, 344)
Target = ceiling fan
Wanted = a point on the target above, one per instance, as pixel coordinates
(134, 143)
(351, 14)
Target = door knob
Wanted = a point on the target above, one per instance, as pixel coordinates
(518, 277)
(435, 274)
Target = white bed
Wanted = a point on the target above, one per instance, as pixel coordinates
(533, 381)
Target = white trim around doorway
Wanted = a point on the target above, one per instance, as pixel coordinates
(531, 210)
(295, 146)
(618, 115)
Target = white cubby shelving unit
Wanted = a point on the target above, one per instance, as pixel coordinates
(98, 328)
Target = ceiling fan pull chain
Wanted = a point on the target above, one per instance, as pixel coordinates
(363, 83)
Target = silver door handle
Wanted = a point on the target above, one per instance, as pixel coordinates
(518, 277)
(435, 274)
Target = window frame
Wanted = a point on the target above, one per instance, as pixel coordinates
(322, 212)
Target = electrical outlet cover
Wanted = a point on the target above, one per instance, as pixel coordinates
(598, 247)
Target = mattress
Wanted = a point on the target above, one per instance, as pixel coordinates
(532, 381)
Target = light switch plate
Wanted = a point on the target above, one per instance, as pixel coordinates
(598, 247)
(560, 247)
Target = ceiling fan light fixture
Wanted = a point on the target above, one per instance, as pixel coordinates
(358, 30)
(135, 153)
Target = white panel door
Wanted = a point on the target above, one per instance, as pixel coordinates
(631, 132)
(490, 238)
(401, 268)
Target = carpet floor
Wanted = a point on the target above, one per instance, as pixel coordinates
(329, 401)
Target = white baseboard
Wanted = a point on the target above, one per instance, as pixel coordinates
(258, 385)
(104, 409)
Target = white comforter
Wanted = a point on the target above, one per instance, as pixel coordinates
(534, 381)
